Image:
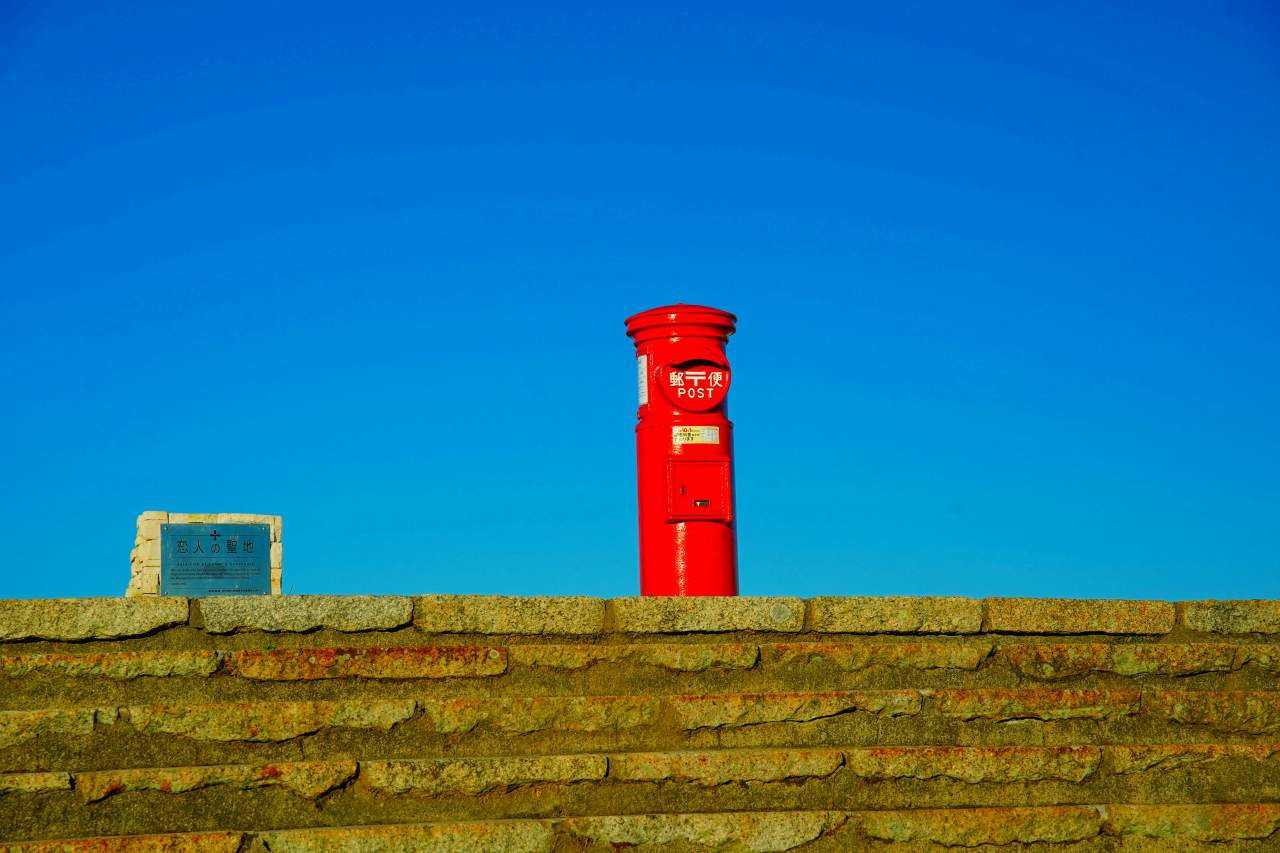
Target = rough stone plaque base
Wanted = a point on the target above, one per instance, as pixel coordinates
(144, 560)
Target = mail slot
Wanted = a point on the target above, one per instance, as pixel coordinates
(698, 489)
(684, 451)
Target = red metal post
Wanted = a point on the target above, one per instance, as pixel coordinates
(684, 452)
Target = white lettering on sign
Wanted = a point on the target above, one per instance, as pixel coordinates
(642, 371)
(696, 378)
(695, 435)
(695, 393)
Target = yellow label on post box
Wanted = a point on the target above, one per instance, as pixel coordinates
(695, 435)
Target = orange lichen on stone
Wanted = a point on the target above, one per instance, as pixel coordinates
(405, 662)
(858, 656)
(430, 777)
(267, 721)
(1050, 661)
(1246, 712)
(724, 766)
(20, 726)
(307, 779)
(113, 665)
(975, 826)
(677, 657)
(1037, 704)
(744, 709)
(975, 763)
(1139, 758)
(526, 714)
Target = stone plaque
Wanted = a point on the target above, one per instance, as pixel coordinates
(198, 560)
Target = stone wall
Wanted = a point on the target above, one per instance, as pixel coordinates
(144, 559)
(307, 723)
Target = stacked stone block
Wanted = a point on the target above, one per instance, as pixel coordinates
(144, 559)
(308, 723)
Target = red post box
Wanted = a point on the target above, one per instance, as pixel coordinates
(684, 452)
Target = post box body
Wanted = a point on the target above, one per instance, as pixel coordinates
(684, 452)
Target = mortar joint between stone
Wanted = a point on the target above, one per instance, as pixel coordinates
(984, 621)
(195, 615)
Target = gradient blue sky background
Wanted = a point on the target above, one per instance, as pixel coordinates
(1007, 278)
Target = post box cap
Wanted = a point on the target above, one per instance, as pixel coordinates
(681, 320)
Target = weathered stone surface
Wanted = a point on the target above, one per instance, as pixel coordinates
(308, 779)
(508, 836)
(1265, 656)
(193, 842)
(975, 763)
(267, 721)
(677, 657)
(719, 767)
(1235, 711)
(1170, 659)
(113, 665)
(712, 614)
(431, 777)
(972, 827)
(88, 618)
(758, 832)
(245, 518)
(20, 726)
(1208, 823)
(1141, 758)
(34, 783)
(501, 614)
(1077, 616)
(193, 518)
(524, 714)
(1017, 704)
(895, 615)
(802, 746)
(858, 656)
(1232, 617)
(296, 613)
(1175, 659)
(745, 709)
(398, 662)
(1050, 661)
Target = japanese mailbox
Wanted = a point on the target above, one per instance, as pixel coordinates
(684, 452)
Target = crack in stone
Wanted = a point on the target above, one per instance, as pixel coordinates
(799, 721)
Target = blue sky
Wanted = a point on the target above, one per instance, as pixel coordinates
(1007, 280)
